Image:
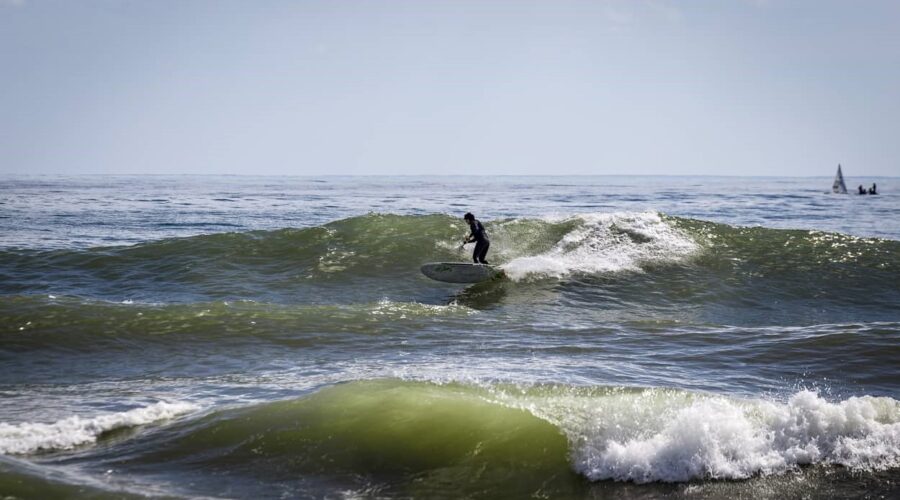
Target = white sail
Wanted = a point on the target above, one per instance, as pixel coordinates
(839, 186)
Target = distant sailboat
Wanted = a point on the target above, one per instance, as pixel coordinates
(839, 187)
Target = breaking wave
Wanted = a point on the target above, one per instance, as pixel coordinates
(674, 436)
(481, 434)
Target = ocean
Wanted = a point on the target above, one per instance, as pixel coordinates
(272, 337)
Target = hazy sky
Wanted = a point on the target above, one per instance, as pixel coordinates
(440, 87)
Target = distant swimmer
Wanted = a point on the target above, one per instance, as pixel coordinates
(479, 236)
(862, 190)
(873, 189)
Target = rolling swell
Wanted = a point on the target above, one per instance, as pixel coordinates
(602, 267)
(389, 248)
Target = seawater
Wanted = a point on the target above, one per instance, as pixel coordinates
(231, 336)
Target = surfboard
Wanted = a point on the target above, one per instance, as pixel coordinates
(460, 272)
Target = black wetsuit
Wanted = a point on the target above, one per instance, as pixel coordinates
(482, 243)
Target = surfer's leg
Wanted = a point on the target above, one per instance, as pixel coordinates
(481, 250)
(475, 252)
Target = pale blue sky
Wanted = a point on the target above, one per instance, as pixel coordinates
(440, 87)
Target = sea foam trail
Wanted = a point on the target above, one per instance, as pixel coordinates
(74, 431)
(608, 243)
(674, 436)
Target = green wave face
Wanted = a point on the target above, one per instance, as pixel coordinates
(784, 251)
(796, 276)
(395, 438)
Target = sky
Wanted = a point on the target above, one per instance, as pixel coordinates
(605, 87)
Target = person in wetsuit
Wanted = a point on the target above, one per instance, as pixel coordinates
(479, 236)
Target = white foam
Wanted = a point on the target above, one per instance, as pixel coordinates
(401, 310)
(674, 436)
(75, 431)
(608, 243)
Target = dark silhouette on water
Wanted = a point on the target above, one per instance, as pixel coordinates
(873, 189)
(839, 187)
(479, 236)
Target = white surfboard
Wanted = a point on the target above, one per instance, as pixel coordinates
(460, 272)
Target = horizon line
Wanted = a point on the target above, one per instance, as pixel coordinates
(101, 174)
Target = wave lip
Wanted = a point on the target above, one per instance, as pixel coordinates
(65, 434)
(608, 243)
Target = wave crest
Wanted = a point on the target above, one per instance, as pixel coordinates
(602, 243)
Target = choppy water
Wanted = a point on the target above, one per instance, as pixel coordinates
(273, 337)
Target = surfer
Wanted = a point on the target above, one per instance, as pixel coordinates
(479, 236)
(873, 189)
(862, 190)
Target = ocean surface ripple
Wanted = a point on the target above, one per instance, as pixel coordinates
(679, 337)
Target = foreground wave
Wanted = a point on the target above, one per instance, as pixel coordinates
(417, 435)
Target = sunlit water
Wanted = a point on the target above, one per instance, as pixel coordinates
(268, 337)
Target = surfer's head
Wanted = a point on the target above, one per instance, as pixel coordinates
(468, 216)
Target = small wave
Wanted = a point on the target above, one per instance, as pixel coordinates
(69, 323)
(403, 310)
(18, 439)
